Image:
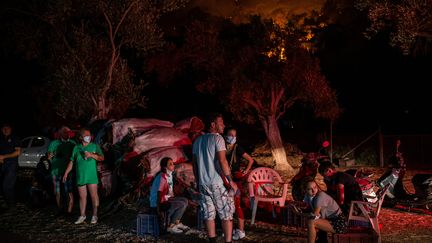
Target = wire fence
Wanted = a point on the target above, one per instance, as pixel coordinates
(365, 150)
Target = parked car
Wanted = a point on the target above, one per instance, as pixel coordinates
(32, 150)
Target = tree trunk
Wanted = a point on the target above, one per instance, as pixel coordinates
(102, 108)
(273, 135)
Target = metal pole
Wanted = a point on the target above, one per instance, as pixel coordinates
(343, 156)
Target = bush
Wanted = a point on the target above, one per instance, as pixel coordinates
(368, 157)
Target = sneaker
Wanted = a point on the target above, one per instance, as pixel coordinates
(94, 220)
(80, 220)
(238, 234)
(183, 227)
(174, 230)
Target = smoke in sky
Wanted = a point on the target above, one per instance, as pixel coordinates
(239, 10)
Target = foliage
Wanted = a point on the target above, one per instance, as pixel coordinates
(83, 44)
(368, 156)
(408, 22)
(341, 150)
(259, 69)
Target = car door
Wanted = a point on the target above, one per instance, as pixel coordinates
(23, 159)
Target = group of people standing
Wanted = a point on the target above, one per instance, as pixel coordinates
(66, 155)
(81, 157)
(216, 163)
(216, 180)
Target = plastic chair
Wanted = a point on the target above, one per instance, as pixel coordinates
(369, 212)
(262, 188)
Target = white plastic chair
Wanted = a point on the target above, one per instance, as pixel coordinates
(369, 212)
(262, 183)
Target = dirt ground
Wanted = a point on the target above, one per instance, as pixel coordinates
(119, 225)
(405, 225)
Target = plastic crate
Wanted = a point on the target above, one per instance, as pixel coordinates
(148, 224)
(290, 218)
(355, 237)
(359, 224)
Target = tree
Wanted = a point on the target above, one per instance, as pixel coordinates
(408, 22)
(83, 46)
(258, 70)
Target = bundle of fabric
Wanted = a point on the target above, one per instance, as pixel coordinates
(192, 126)
(137, 126)
(140, 144)
(155, 155)
(161, 137)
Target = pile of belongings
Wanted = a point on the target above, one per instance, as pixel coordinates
(134, 147)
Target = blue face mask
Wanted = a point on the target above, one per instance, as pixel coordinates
(87, 139)
(230, 139)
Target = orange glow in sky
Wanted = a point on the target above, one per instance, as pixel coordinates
(239, 10)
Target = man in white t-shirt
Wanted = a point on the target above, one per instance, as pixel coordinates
(214, 178)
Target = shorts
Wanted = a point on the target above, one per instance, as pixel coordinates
(58, 181)
(339, 223)
(215, 198)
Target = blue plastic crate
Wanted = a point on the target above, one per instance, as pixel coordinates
(148, 224)
(358, 223)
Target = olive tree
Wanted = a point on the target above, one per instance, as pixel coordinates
(259, 70)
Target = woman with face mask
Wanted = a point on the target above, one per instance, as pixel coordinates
(162, 198)
(85, 156)
(235, 154)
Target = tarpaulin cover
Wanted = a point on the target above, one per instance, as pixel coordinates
(121, 127)
(155, 155)
(160, 137)
(191, 124)
(184, 174)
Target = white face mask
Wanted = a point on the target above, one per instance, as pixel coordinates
(87, 139)
(230, 139)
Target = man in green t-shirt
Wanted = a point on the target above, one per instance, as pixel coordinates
(59, 152)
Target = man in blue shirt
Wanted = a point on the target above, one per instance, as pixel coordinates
(9, 152)
(214, 179)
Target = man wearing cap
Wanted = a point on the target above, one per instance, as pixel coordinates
(9, 152)
(59, 152)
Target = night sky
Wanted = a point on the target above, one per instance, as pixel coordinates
(376, 84)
